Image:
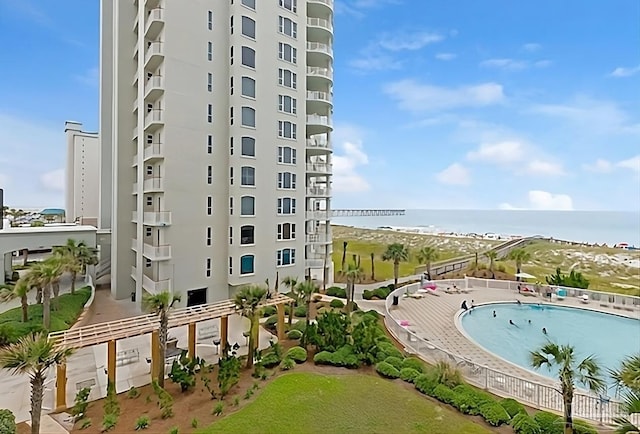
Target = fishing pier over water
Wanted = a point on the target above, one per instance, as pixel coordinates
(366, 212)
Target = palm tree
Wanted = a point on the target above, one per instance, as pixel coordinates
(160, 304)
(586, 371)
(519, 256)
(248, 303)
(304, 291)
(352, 274)
(344, 254)
(291, 282)
(491, 255)
(428, 255)
(33, 355)
(77, 256)
(373, 267)
(44, 275)
(20, 290)
(627, 377)
(397, 253)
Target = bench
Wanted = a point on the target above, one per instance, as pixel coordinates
(86, 384)
(208, 332)
(127, 356)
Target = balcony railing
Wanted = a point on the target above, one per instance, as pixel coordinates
(319, 47)
(319, 167)
(157, 218)
(153, 150)
(153, 83)
(320, 22)
(314, 95)
(317, 215)
(157, 253)
(318, 143)
(328, 3)
(154, 49)
(317, 238)
(134, 244)
(155, 287)
(319, 120)
(317, 71)
(314, 263)
(155, 22)
(153, 116)
(318, 191)
(150, 184)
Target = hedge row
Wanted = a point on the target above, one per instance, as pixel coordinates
(380, 293)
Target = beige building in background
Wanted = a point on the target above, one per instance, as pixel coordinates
(215, 124)
(82, 168)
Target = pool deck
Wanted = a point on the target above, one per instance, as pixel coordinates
(434, 318)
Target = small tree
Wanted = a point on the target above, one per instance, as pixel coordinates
(352, 274)
(428, 255)
(75, 257)
(20, 290)
(491, 255)
(247, 301)
(627, 378)
(160, 304)
(396, 253)
(519, 256)
(344, 254)
(33, 355)
(586, 371)
(44, 275)
(373, 267)
(291, 282)
(304, 291)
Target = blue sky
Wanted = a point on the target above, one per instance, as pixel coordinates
(438, 104)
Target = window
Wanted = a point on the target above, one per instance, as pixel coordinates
(210, 20)
(247, 235)
(286, 180)
(248, 147)
(230, 206)
(231, 85)
(208, 272)
(209, 144)
(148, 232)
(287, 52)
(247, 205)
(231, 115)
(246, 264)
(209, 82)
(209, 113)
(249, 3)
(248, 176)
(231, 28)
(286, 205)
(230, 175)
(248, 117)
(210, 175)
(230, 265)
(231, 51)
(288, 27)
(249, 57)
(149, 139)
(286, 155)
(287, 129)
(149, 200)
(287, 78)
(208, 236)
(230, 145)
(150, 170)
(209, 205)
(248, 87)
(230, 235)
(210, 51)
(248, 27)
(287, 104)
(290, 5)
(147, 262)
(286, 257)
(286, 231)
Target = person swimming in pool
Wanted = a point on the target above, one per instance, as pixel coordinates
(529, 321)
(494, 314)
(512, 323)
(544, 330)
(519, 302)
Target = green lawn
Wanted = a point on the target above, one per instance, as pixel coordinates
(311, 403)
(69, 308)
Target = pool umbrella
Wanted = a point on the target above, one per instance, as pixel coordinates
(525, 276)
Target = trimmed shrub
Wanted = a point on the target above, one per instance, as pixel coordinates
(387, 349)
(522, 423)
(479, 397)
(512, 406)
(425, 384)
(381, 293)
(549, 423)
(494, 414)
(7, 422)
(271, 322)
(336, 291)
(338, 304)
(582, 427)
(294, 334)
(322, 358)
(367, 294)
(387, 370)
(268, 311)
(300, 312)
(409, 375)
(343, 358)
(270, 360)
(299, 325)
(413, 363)
(443, 394)
(297, 354)
(396, 362)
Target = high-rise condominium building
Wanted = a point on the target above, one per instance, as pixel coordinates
(216, 143)
(82, 168)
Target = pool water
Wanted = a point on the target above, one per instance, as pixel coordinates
(610, 338)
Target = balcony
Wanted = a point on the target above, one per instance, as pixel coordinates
(319, 168)
(318, 191)
(319, 7)
(321, 145)
(153, 185)
(317, 239)
(319, 54)
(317, 100)
(319, 29)
(314, 263)
(153, 151)
(318, 47)
(157, 253)
(153, 88)
(134, 273)
(134, 188)
(157, 218)
(155, 287)
(153, 120)
(318, 124)
(135, 105)
(135, 133)
(155, 23)
(317, 215)
(154, 56)
(320, 73)
(134, 244)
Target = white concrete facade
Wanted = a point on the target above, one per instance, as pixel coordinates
(82, 174)
(216, 143)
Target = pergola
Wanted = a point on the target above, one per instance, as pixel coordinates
(111, 332)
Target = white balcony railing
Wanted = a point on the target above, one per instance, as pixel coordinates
(155, 287)
(320, 22)
(153, 150)
(319, 167)
(153, 116)
(317, 238)
(318, 143)
(317, 215)
(328, 3)
(154, 18)
(157, 218)
(318, 191)
(154, 82)
(319, 47)
(150, 184)
(157, 253)
(315, 95)
(317, 71)
(314, 263)
(154, 49)
(134, 244)
(319, 120)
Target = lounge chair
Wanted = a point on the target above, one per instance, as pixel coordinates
(584, 298)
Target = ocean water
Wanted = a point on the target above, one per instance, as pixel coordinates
(582, 226)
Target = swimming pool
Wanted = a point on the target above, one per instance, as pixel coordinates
(609, 337)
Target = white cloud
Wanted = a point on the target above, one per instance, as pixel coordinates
(53, 180)
(455, 174)
(520, 157)
(409, 41)
(507, 64)
(357, 8)
(600, 166)
(632, 163)
(541, 167)
(531, 47)
(620, 71)
(446, 56)
(375, 62)
(542, 63)
(415, 96)
(543, 201)
(346, 178)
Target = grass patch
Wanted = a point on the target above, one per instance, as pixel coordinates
(69, 308)
(313, 403)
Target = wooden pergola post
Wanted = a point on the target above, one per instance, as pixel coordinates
(280, 324)
(155, 354)
(61, 387)
(111, 362)
(192, 340)
(224, 332)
